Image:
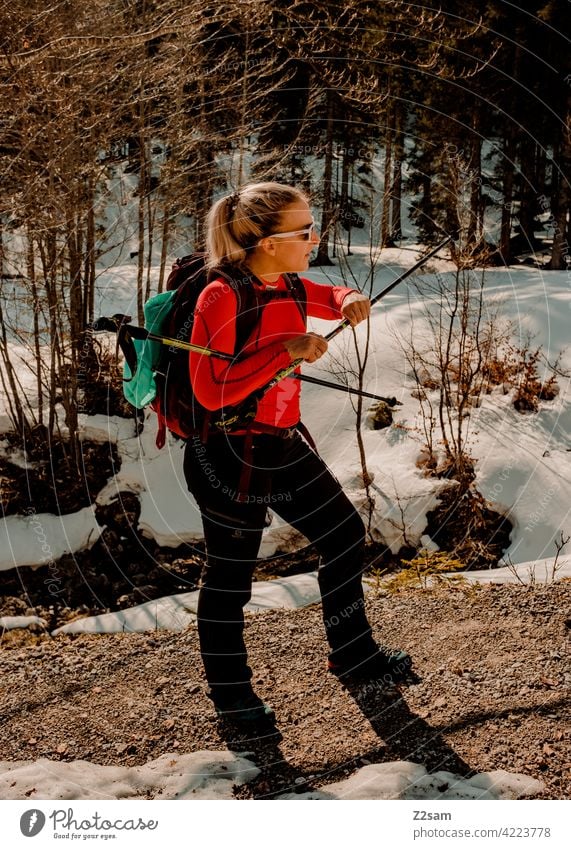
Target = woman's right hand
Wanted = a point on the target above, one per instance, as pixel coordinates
(308, 346)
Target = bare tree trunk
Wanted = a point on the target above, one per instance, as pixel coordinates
(396, 189)
(164, 244)
(47, 254)
(90, 258)
(141, 197)
(150, 238)
(474, 233)
(322, 257)
(14, 405)
(244, 109)
(508, 183)
(36, 307)
(205, 170)
(76, 307)
(560, 254)
(386, 213)
(528, 205)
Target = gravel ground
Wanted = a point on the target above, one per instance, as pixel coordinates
(494, 692)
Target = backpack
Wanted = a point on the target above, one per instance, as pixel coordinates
(161, 378)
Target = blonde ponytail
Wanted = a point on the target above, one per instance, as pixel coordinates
(238, 221)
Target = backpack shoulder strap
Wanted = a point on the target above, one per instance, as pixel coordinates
(249, 305)
(296, 288)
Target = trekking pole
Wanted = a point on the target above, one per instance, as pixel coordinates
(392, 402)
(287, 371)
(126, 332)
(346, 323)
(246, 411)
(119, 324)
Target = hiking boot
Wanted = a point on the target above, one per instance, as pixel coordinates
(245, 708)
(390, 665)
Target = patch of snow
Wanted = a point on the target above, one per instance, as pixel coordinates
(532, 572)
(8, 623)
(104, 429)
(177, 612)
(199, 775)
(406, 780)
(212, 775)
(41, 538)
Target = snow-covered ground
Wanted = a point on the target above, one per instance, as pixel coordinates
(211, 775)
(523, 465)
(523, 461)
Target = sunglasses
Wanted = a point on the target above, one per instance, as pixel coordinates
(306, 233)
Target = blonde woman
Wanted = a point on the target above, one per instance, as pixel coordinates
(263, 235)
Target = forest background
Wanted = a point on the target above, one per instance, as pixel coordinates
(466, 110)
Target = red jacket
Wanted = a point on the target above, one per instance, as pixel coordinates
(218, 383)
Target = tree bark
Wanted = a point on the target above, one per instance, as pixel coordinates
(560, 253)
(388, 170)
(508, 185)
(322, 257)
(396, 190)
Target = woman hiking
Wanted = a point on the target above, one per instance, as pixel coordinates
(264, 233)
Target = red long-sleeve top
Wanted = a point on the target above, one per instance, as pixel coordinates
(218, 383)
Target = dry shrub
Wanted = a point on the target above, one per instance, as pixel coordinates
(102, 383)
(426, 569)
(465, 526)
(518, 370)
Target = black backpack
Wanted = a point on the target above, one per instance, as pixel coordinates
(175, 403)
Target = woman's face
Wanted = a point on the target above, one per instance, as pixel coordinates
(289, 248)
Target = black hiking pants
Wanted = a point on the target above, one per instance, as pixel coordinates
(291, 479)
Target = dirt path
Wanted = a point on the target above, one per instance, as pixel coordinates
(495, 692)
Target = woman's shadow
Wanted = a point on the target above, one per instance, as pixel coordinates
(405, 735)
(261, 744)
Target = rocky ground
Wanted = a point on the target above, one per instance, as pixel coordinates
(494, 692)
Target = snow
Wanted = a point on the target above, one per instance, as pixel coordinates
(7, 623)
(406, 780)
(177, 612)
(41, 538)
(533, 572)
(211, 775)
(199, 775)
(523, 462)
(113, 429)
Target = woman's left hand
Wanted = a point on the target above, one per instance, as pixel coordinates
(356, 308)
